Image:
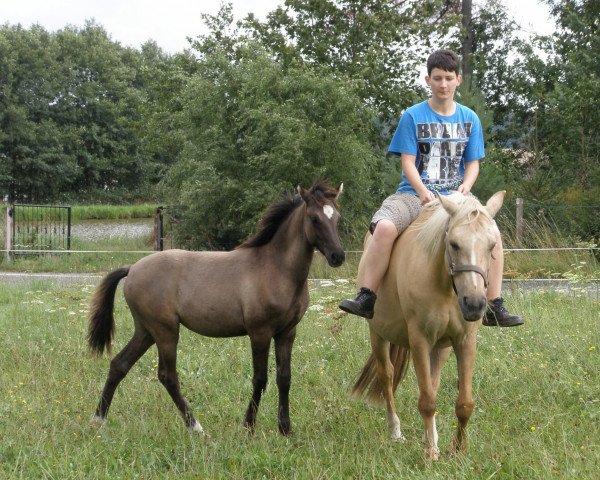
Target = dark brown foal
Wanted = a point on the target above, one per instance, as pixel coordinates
(259, 289)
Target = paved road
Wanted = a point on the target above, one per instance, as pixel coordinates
(60, 278)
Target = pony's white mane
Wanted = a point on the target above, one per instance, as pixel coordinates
(431, 232)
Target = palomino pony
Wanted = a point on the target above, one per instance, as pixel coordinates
(431, 300)
(259, 289)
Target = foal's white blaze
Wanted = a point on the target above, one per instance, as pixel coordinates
(328, 211)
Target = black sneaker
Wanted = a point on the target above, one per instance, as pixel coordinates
(362, 305)
(496, 315)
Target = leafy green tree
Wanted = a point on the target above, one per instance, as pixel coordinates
(69, 110)
(161, 80)
(100, 105)
(552, 113)
(255, 130)
(567, 123)
(32, 161)
(381, 44)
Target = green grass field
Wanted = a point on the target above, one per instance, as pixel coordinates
(537, 393)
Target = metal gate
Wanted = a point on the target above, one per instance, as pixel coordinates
(39, 228)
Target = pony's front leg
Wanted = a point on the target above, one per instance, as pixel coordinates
(421, 359)
(283, 355)
(465, 359)
(385, 374)
(260, 360)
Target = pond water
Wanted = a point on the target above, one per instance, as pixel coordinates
(101, 229)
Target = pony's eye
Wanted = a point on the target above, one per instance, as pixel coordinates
(454, 245)
(315, 220)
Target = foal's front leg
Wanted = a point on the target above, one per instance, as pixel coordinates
(260, 360)
(283, 355)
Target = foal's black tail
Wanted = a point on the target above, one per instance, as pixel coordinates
(101, 323)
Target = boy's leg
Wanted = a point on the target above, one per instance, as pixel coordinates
(376, 262)
(397, 212)
(377, 256)
(497, 315)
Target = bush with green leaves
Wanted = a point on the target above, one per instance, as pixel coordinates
(255, 130)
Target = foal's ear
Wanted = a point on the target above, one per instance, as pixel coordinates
(303, 192)
(495, 202)
(340, 190)
(449, 205)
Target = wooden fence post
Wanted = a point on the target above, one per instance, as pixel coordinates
(519, 220)
(158, 229)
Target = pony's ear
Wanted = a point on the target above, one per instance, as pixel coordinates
(495, 202)
(340, 190)
(449, 205)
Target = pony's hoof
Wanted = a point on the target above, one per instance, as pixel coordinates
(97, 421)
(432, 454)
(398, 437)
(457, 448)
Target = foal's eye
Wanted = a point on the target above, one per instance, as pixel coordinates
(454, 245)
(315, 220)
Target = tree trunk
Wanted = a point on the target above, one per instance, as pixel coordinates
(467, 42)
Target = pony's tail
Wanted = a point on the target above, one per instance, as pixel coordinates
(101, 322)
(368, 383)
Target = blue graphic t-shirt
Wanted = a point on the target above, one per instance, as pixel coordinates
(442, 145)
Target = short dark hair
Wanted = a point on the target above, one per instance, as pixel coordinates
(444, 60)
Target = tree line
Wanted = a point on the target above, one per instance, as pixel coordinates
(253, 108)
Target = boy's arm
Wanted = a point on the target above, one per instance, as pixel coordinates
(412, 175)
(471, 173)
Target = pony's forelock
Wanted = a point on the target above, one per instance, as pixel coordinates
(431, 231)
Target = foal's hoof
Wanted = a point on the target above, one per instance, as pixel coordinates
(197, 429)
(285, 430)
(249, 428)
(398, 437)
(97, 421)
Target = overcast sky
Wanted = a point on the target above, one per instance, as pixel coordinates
(169, 22)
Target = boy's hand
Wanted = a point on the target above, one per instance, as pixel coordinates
(426, 196)
(464, 189)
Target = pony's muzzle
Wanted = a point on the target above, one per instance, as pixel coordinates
(473, 307)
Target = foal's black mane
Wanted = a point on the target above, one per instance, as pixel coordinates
(278, 212)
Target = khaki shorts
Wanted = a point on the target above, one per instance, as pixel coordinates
(400, 208)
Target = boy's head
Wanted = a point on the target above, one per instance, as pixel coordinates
(444, 60)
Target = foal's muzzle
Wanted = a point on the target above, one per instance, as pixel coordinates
(335, 259)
